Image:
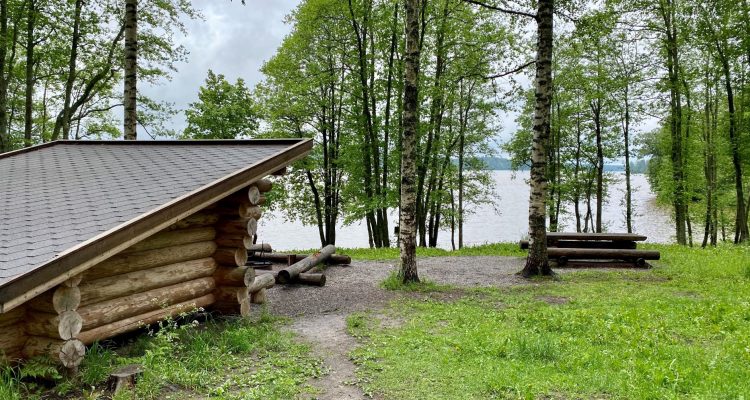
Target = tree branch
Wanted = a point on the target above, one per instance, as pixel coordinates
(504, 10)
(513, 71)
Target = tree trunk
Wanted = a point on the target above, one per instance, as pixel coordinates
(407, 217)
(5, 142)
(62, 123)
(667, 9)
(537, 262)
(131, 69)
(29, 100)
(740, 221)
(628, 187)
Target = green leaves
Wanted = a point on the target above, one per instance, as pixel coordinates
(223, 110)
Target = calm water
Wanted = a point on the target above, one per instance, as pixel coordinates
(505, 222)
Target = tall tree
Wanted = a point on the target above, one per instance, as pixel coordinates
(408, 209)
(131, 69)
(537, 262)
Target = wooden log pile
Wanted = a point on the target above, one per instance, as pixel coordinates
(167, 274)
(55, 330)
(237, 286)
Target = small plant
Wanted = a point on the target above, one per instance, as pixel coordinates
(10, 387)
(747, 271)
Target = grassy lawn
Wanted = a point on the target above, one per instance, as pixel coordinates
(229, 359)
(681, 330)
(392, 253)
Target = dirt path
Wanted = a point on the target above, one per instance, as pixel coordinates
(319, 313)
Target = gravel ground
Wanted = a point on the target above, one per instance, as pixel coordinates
(319, 313)
(356, 287)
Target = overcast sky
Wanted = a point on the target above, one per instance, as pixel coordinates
(232, 39)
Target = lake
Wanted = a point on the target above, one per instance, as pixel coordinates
(506, 222)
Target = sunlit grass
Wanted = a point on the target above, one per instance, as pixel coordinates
(681, 330)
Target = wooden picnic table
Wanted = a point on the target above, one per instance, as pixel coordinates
(586, 247)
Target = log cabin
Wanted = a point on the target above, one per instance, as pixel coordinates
(98, 238)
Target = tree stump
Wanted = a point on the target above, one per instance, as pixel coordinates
(125, 377)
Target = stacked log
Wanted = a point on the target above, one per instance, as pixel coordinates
(169, 273)
(54, 330)
(237, 286)
(14, 336)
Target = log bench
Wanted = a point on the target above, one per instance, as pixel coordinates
(576, 249)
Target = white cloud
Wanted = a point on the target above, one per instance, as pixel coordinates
(233, 40)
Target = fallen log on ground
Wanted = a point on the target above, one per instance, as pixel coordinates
(334, 259)
(291, 272)
(305, 278)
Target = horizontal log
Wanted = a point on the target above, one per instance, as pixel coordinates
(260, 247)
(231, 294)
(121, 264)
(258, 297)
(99, 290)
(12, 339)
(239, 276)
(196, 220)
(262, 281)
(234, 241)
(264, 185)
(282, 258)
(279, 172)
(585, 244)
(11, 317)
(305, 278)
(582, 254)
(135, 322)
(250, 211)
(57, 300)
(106, 312)
(311, 279)
(288, 274)
(173, 238)
(65, 326)
(69, 352)
(237, 228)
(231, 256)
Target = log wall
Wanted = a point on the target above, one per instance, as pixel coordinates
(197, 262)
(237, 286)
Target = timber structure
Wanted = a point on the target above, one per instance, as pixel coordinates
(99, 238)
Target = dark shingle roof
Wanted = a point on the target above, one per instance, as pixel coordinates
(55, 197)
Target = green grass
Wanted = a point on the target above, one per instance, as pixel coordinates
(223, 359)
(681, 330)
(392, 253)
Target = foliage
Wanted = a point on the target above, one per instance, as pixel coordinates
(338, 78)
(677, 331)
(223, 111)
